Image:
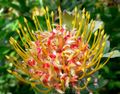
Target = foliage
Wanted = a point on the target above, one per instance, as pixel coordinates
(13, 11)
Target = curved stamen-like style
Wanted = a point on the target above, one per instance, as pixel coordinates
(60, 57)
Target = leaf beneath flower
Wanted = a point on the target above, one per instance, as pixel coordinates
(116, 53)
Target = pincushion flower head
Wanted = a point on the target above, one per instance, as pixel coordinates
(59, 58)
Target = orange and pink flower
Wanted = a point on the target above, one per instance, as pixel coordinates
(59, 57)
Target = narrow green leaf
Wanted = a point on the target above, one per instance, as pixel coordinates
(115, 53)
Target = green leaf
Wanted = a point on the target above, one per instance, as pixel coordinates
(11, 25)
(67, 19)
(114, 84)
(115, 53)
(102, 82)
(4, 49)
(97, 25)
(107, 46)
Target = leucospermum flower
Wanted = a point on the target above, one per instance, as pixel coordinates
(59, 58)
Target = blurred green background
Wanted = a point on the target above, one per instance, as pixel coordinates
(12, 11)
